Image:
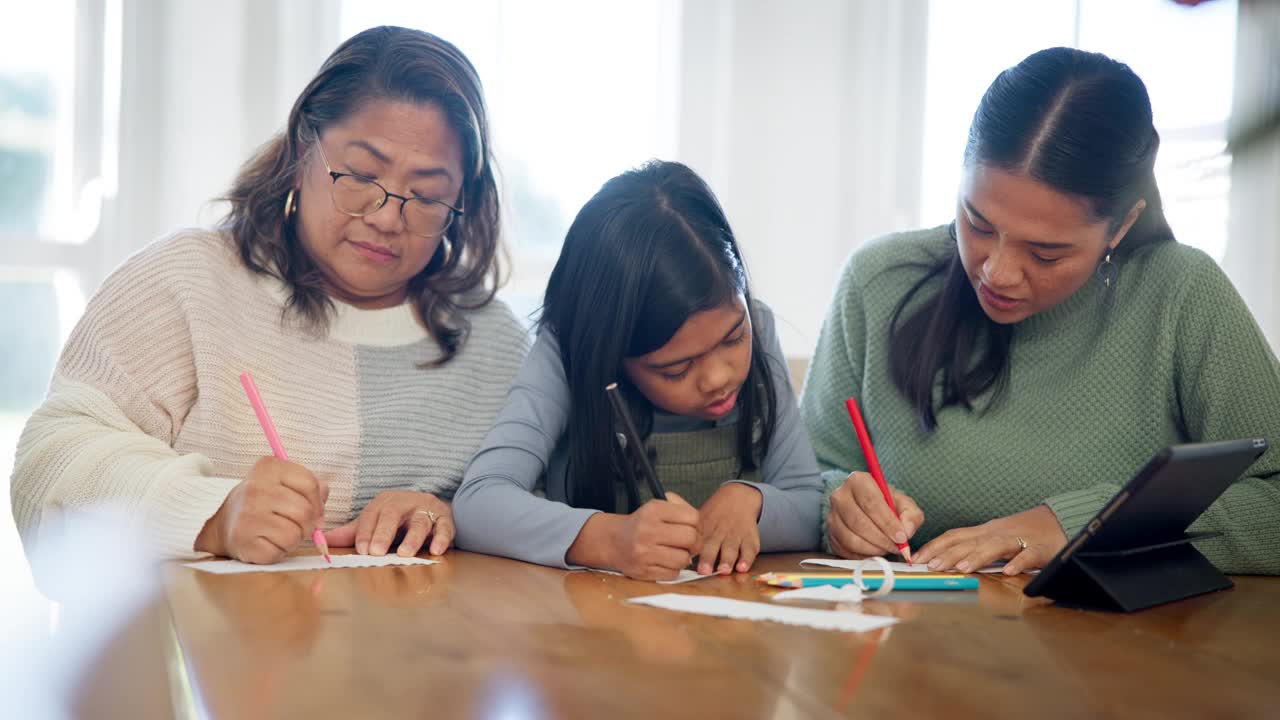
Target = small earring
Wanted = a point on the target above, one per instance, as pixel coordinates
(448, 250)
(1107, 271)
(290, 207)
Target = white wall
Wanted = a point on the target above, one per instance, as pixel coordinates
(1253, 252)
(805, 118)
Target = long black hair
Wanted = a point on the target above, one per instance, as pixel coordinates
(649, 250)
(1076, 121)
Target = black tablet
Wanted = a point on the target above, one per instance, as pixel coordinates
(1135, 552)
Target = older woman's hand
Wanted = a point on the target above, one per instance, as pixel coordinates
(267, 515)
(422, 515)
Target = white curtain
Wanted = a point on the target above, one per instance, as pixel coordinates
(202, 85)
(806, 119)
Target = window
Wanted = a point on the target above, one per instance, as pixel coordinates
(1185, 55)
(578, 91)
(59, 87)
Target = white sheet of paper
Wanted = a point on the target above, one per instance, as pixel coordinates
(685, 576)
(844, 620)
(897, 566)
(830, 593)
(307, 562)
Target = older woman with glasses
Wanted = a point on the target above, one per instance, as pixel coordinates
(354, 278)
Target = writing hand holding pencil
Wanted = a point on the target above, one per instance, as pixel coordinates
(868, 517)
(655, 541)
(277, 506)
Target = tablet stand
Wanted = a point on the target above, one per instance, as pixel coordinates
(1137, 578)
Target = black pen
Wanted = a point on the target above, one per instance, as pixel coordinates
(633, 441)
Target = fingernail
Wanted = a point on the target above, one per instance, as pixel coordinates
(362, 548)
(377, 549)
(743, 567)
(934, 564)
(909, 528)
(1008, 570)
(963, 566)
(403, 551)
(724, 568)
(900, 538)
(704, 569)
(436, 549)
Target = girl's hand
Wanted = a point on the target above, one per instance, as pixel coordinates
(267, 515)
(861, 524)
(657, 541)
(422, 515)
(972, 548)
(730, 529)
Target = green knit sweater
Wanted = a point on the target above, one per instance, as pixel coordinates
(1096, 385)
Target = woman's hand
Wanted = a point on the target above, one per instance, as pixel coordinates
(729, 522)
(861, 524)
(267, 515)
(422, 515)
(1028, 540)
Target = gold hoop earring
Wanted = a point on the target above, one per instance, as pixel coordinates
(290, 207)
(448, 250)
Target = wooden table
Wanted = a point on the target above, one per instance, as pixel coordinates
(484, 637)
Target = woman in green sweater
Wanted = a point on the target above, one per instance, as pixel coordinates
(1016, 366)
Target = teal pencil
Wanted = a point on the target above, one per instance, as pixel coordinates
(901, 581)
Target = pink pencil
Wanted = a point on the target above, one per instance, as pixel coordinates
(277, 448)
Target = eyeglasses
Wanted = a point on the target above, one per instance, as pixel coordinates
(357, 196)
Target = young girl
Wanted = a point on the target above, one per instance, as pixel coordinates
(649, 292)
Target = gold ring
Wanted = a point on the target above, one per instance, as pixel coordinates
(430, 515)
(1021, 543)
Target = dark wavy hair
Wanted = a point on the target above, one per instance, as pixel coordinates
(1080, 123)
(650, 249)
(381, 63)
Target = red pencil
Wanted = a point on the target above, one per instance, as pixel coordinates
(873, 465)
(860, 667)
